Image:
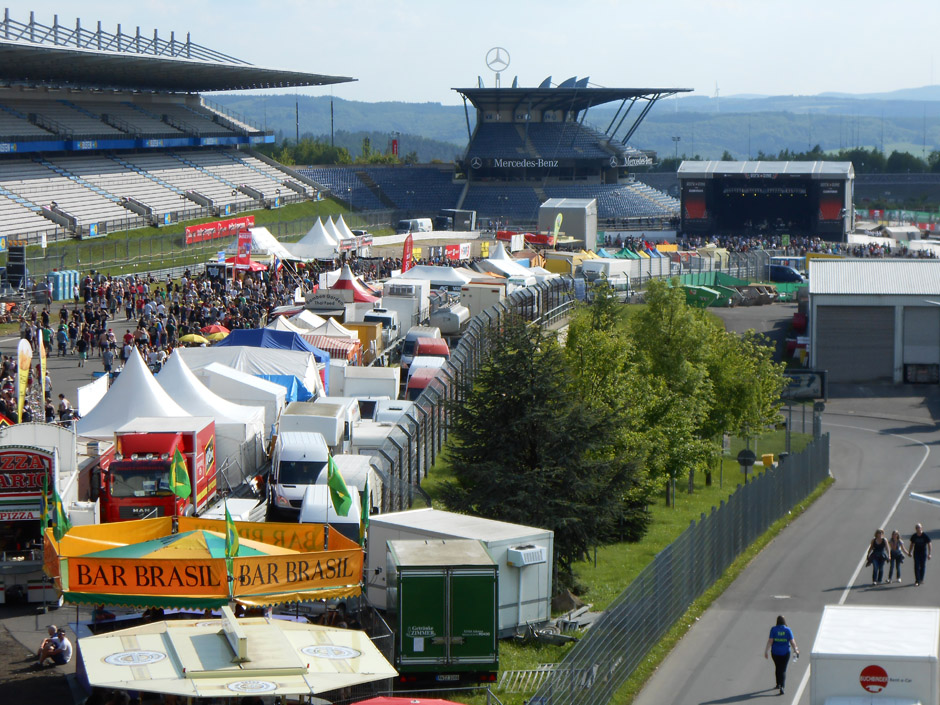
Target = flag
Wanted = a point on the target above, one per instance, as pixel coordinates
(179, 477)
(231, 535)
(364, 515)
(42, 365)
(62, 523)
(407, 254)
(24, 360)
(44, 515)
(339, 493)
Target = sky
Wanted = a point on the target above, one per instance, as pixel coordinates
(418, 50)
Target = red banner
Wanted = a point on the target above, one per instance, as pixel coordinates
(243, 256)
(217, 229)
(407, 256)
(395, 147)
(452, 251)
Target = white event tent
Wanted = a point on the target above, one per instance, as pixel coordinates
(343, 229)
(259, 361)
(243, 388)
(239, 430)
(134, 393)
(440, 277)
(318, 243)
(330, 227)
(307, 319)
(499, 262)
(262, 242)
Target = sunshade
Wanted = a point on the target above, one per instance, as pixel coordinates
(198, 658)
(217, 336)
(214, 328)
(191, 544)
(194, 338)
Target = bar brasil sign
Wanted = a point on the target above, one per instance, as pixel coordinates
(217, 229)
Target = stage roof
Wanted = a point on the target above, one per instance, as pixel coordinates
(812, 170)
(37, 64)
(560, 98)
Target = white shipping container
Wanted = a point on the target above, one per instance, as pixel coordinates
(883, 655)
(523, 553)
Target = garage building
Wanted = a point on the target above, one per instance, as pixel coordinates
(875, 320)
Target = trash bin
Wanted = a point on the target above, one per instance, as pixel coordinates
(767, 459)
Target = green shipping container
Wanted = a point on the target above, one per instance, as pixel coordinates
(444, 597)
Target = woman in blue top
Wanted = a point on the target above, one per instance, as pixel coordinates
(778, 646)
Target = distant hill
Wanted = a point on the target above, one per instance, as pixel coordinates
(905, 120)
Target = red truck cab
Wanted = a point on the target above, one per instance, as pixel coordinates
(136, 484)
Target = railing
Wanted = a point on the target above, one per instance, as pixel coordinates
(640, 617)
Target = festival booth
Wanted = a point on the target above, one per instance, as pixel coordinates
(134, 393)
(239, 429)
(247, 657)
(307, 319)
(447, 278)
(316, 244)
(281, 341)
(361, 292)
(243, 388)
(499, 262)
(262, 363)
(331, 337)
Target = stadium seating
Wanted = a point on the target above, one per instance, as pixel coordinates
(513, 202)
(67, 118)
(497, 140)
(565, 140)
(346, 185)
(414, 188)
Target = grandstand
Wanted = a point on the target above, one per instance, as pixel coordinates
(107, 131)
(528, 145)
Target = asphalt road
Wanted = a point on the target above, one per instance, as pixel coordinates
(881, 443)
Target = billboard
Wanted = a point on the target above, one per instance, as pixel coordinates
(217, 229)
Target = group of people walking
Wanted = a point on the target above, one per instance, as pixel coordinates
(892, 551)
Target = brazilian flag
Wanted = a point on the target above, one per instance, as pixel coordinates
(339, 493)
(231, 535)
(179, 477)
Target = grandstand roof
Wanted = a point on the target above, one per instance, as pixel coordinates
(560, 98)
(25, 62)
(814, 170)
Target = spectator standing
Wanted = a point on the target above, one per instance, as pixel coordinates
(897, 550)
(877, 556)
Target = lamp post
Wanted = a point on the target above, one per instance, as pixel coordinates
(676, 139)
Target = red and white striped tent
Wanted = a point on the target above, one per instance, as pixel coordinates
(361, 293)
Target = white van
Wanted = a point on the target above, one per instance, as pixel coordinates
(414, 225)
(298, 460)
(317, 508)
(391, 328)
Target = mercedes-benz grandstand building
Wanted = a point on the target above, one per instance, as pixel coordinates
(526, 145)
(105, 131)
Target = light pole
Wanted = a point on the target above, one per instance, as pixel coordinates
(676, 139)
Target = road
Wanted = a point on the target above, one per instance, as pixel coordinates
(880, 451)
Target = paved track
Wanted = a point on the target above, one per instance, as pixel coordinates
(880, 451)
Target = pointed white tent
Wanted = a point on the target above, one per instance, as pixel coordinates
(318, 243)
(333, 329)
(500, 262)
(330, 227)
(343, 229)
(239, 429)
(307, 319)
(243, 388)
(134, 393)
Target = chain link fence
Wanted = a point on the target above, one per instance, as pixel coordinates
(415, 442)
(640, 617)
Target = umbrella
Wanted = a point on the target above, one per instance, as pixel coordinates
(217, 336)
(194, 338)
(214, 328)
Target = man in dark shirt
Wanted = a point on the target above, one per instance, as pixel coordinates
(920, 548)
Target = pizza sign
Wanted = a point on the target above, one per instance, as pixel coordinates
(23, 469)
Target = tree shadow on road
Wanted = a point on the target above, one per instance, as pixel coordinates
(740, 698)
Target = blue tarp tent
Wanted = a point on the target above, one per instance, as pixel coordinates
(296, 390)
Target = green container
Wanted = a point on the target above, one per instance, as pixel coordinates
(443, 603)
(700, 296)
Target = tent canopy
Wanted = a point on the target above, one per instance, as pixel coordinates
(258, 361)
(134, 393)
(447, 277)
(361, 293)
(318, 243)
(182, 385)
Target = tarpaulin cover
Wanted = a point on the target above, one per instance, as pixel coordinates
(143, 564)
(269, 338)
(296, 391)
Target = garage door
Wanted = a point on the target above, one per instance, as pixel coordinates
(922, 344)
(855, 343)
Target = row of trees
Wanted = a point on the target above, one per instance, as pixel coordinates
(580, 438)
(865, 161)
(311, 150)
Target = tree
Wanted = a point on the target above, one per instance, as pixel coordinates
(525, 448)
(904, 162)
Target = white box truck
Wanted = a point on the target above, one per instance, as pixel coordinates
(523, 554)
(372, 382)
(479, 296)
(876, 655)
(297, 461)
(332, 421)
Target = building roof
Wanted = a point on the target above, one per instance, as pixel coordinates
(575, 98)
(37, 64)
(814, 170)
(874, 277)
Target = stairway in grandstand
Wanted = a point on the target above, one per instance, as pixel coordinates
(370, 184)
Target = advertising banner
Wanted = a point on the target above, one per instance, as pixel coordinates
(407, 255)
(217, 229)
(243, 256)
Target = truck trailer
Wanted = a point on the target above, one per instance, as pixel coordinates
(866, 654)
(443, 604)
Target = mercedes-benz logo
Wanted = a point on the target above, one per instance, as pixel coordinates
(497, 59)
(613, 161)
(476, 163)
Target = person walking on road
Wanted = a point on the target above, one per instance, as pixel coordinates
(877, 556)
(897, 550)
(778, 646)
(920, 549)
